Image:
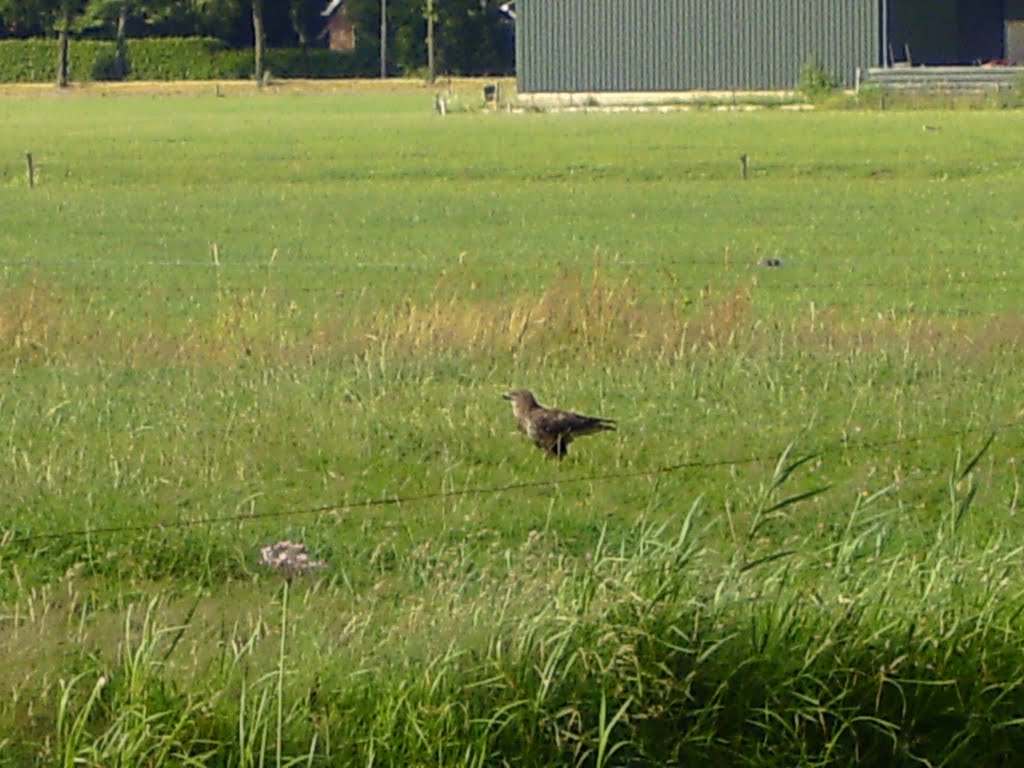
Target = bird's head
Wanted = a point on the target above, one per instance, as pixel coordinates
(522, 399)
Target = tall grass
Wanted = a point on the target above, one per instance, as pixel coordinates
(798, 547)
(647, 652)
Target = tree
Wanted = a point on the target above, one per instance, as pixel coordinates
(468, 36)
(45, 16)
(305, 19)
(165, 18)
(103, 13)
(224, 19)
(474, 37)
(258, 38)
(431, 64)
(141, 18)
(65, 11)
(25, 18)
(383, 39)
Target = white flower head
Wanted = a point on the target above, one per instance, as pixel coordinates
(290, 558)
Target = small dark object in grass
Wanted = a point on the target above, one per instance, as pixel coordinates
(772, 262)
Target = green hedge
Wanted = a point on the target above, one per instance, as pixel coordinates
(34, 61)
(182, 58)
(193, 58)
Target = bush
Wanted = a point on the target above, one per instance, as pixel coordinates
(177, 58)
(106, 66)
(35, 61)
(317, 63)
(185, 58)
(814, 82)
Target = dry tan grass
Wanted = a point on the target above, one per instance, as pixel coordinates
(395, 85)
(590, 319)
(30, 320)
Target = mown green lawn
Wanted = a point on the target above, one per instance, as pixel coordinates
(293, 315)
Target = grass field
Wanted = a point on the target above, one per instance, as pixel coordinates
(225, 322)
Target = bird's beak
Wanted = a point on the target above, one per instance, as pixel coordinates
(506, 396)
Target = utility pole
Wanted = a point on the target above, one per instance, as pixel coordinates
(383, 39)
(430, 42)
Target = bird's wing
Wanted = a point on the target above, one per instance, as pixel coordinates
(567, 423)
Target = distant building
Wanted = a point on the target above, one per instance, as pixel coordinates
(574, 46)
(339, 29)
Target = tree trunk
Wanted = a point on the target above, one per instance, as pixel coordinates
(62, 50)
(121, 60)
(257, 34)
(383, 39)
(298, 25)
(431, 73)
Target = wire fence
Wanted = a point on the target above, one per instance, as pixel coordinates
(948, 281)
(836, 446)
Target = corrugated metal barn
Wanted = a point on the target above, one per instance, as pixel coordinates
(682, 45)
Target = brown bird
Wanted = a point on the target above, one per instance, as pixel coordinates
(549, 428)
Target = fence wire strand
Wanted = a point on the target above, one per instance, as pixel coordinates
(837, 446)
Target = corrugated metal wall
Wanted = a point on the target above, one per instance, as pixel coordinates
(682, 45)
